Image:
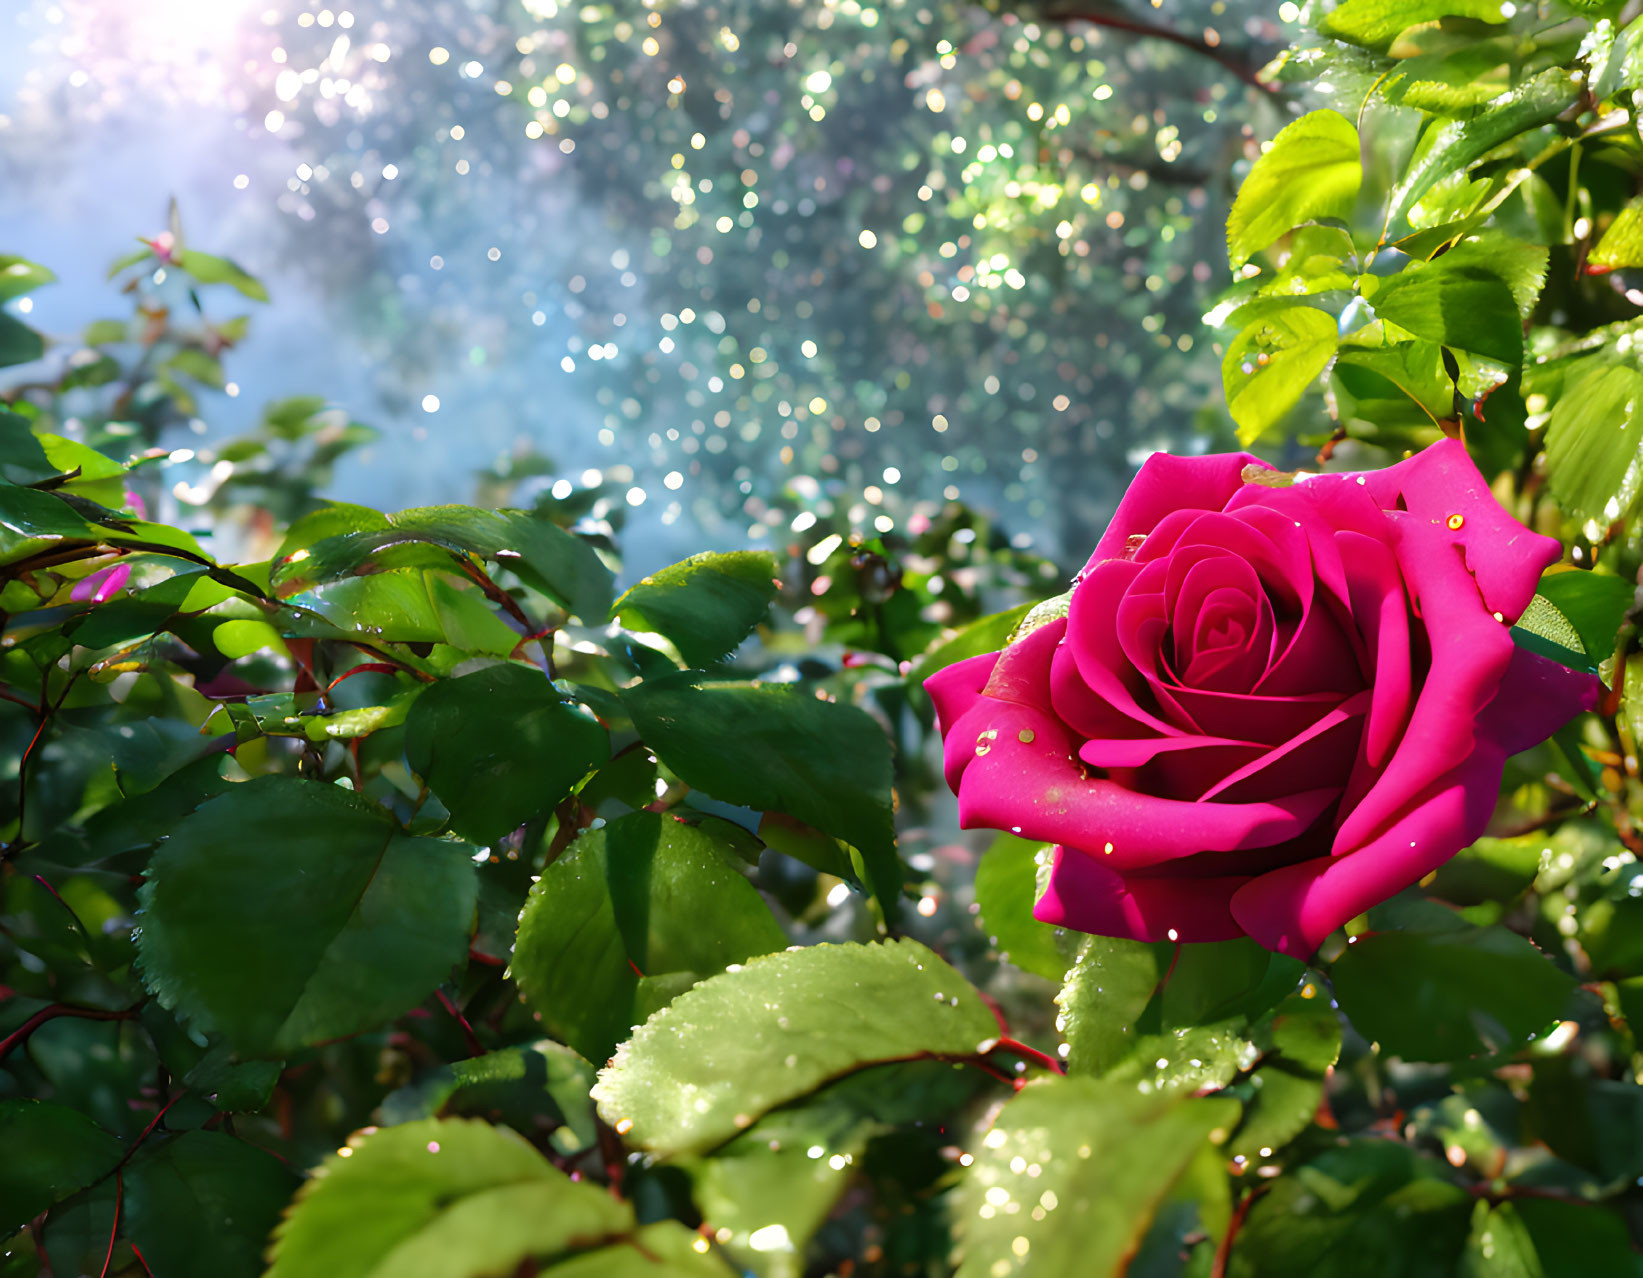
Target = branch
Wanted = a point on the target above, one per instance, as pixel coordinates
(1230, 59)
(22, 1032)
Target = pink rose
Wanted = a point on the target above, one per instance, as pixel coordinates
(1267, 708)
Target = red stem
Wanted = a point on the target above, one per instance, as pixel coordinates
(475, 1047)
(114, 1229)
(1223, 1253)
(21, 1033)
(1030, 1053)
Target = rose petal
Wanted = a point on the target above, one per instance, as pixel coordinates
(1019, 774)
(1166, 484)
(1381, 608)
(1470, 653)
(1293, 909)
(1439, 484)
(1268, 721)
(1320, 756)
(1085, 895)
(954, 688)
(1536, 698)
(1093, 638)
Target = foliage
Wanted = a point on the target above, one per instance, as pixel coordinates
(389, 887)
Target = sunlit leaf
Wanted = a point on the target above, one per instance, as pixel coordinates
(623, 906)
(1268, 366)
(1311, 171)
(706, 605)
(1070, 1173)
(740, 1044)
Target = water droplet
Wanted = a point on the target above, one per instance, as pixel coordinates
(1456, 522)
(1025, 736)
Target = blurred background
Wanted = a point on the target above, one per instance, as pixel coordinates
(728, 264)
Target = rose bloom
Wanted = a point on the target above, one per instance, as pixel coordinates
(1265, 708)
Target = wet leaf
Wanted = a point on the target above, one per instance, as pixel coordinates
(201, 1204)
(538, 1079)
(1270, 364)
(52, 1151)
(626, 903)
(740, 1044)
(1594, 443)
(706, 605)
(1363, 1209)
(1444, 996)
(772, 748)
(285, 913)
(1006, 887)
(439, 1199)
(1376, 23)
(500, 747)
(1070, 1173)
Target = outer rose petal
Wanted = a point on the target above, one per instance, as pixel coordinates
(1165, 484)
(1293, 909)
(1085, 895)
(955, 688)
(1440, 481)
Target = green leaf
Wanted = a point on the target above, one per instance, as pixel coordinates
(1365, 1208)
(1006, 889)
(1107, 989)
(201, 1205)
(1520, 264)
(1446, 78)
(533, 1080)
(1456, 302)
(1312, 170)
(781, 1177)
(624, 905)
(1593, 604)
(203, 368)
(1622, 242)
(52, 1151)
(740, 1044)
(1269, 365)
(1444, 996)
(773, 748)
(988, 634)
(23, 457)
(500, 747)
(1453, 147)
(19, 344)
(665, 1249)
(706, 605)
(1374, 24)
(207, 268)
(1594, 445)
(1499, 1246)
(1414, 368)
(19, 276)
(542, 554)
(1069, 1176)
(1300, 1043)
(1575, 1240)
(439, 1199)
(284, 913)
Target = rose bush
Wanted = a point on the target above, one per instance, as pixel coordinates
(1265, 708)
